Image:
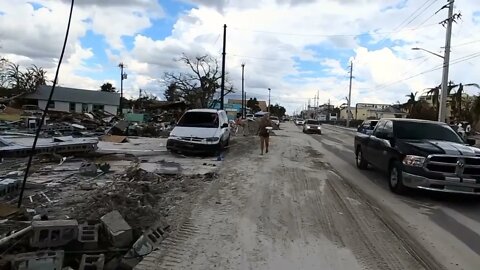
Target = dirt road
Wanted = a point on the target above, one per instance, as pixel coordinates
(285, 210)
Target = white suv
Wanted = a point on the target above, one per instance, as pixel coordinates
(200, 131)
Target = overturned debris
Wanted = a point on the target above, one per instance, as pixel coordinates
(77, 145)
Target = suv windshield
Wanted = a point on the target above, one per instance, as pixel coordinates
(313, 122)
(425, 131)
(199, 119)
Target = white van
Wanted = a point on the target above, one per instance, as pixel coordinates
(200, 131)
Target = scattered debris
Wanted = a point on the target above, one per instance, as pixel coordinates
(118, 231)
(88, 169)
(114, 138)
(38, 260)
(88, 235)
(53, 233)
(92, 262)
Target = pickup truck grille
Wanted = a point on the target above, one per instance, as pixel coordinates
(454, 165)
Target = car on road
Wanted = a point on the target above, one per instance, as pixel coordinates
(275, 120)
(420, 154)
(299, 122)
(367, 126)
(312, 126)
(250, 116)
(200, 131)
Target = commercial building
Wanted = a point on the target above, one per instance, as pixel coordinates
(364, 111)
(74, 100)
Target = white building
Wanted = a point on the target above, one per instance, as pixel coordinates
(75, 100)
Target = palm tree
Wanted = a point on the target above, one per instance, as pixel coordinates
(434, 92)
(457, 96)
(411, 102)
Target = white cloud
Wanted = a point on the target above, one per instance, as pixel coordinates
(267, 35)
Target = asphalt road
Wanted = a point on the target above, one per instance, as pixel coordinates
(446, 225)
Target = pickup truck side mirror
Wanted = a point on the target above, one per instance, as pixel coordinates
(471, 142)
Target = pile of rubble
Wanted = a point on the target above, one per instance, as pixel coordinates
(89, 215)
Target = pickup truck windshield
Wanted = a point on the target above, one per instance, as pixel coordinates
(199, 119)
(424, 131)
(313, 122)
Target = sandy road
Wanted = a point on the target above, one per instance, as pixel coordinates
(284, 210)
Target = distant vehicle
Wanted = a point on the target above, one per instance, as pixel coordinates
(299, 122)
(420, 154)
(200, 131)
(333, 117)
(250, 116)
(259, 114)
(275, 120)
(322, 117)
(367, 126)
(312, 126)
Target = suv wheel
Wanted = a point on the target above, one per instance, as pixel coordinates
(361, 162)
(395, 181)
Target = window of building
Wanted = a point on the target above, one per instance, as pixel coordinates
(84, 107)
(51, 105)
(72, 106)
(97, 107)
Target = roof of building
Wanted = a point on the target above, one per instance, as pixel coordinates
(262, 104)
(76, 95)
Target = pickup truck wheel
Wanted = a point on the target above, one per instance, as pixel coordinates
(361, 162)
(395, 181)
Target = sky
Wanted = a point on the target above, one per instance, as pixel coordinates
(298, 48)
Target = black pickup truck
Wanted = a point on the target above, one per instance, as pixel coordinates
(420, 154)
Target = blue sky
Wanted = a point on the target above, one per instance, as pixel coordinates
(295, 49)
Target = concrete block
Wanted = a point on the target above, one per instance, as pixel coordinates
(9, 186)
(92, 262)
(88, 235)
(88, 169)
(118, 231)
(53, 233)
(40, 260)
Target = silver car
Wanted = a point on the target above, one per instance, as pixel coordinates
(312, 126)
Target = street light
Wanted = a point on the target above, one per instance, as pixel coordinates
(443, 95)
(430, 52)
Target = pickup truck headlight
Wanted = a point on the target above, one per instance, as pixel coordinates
(212, 139)
(414, 161)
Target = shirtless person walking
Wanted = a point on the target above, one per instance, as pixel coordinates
(263, 132)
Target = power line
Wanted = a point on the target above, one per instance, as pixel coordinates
(401, 25)
(466, 43)
(418, 15)
(459, 60)
(326, 35)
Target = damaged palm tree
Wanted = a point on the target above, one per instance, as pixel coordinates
(199, 83)
(18, 82)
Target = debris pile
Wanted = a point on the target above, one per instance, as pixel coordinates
(93, 216)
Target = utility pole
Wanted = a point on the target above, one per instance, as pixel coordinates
(222, 91)
(349, 94)
(269, 99)
(123, 76)
(243, 90)
(446, 62)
